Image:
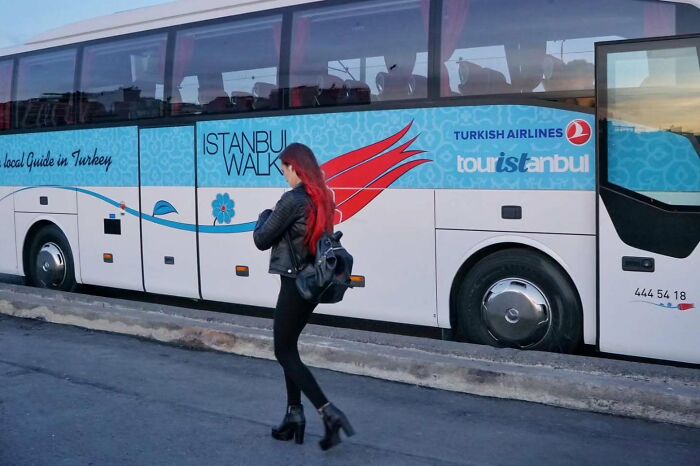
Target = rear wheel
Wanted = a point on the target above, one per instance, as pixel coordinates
(521, 299)
(51, 260)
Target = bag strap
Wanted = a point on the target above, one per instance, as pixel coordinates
(291, 251)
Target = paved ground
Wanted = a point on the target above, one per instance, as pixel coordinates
(72, 396)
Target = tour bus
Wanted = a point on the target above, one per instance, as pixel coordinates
(518, 173)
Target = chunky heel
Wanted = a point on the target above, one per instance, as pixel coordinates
(347, 428)
(292, 426)
(334, 420)
(299, 433)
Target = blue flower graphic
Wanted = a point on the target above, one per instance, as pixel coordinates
(222, 208)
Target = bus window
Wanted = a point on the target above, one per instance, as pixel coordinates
(123, 80)
(5, 98)
(516, 47)
(45, 90)
(360, 53)
(229, 67)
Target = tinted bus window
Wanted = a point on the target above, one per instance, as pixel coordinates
(123, 80)
(360, 53)
(45, 90)
(5, 91)
(511, 46)
(229, 67)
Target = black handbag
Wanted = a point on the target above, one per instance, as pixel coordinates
(327, 278)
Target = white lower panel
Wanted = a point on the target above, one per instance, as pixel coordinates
(125, 271)
(56, 200)
(8, 248)
(639, 311)
(66, 222)
(178, 278)
(392, 241)
(220, 253)
(542, 211)
(575, 253)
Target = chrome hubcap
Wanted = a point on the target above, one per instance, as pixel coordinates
(50, 265)
(516, 312)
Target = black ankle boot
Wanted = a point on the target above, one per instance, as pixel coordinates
(333, 421)
(292, 425)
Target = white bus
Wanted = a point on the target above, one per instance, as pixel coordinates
(524, 174)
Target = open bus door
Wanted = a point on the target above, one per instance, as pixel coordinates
(648, 123)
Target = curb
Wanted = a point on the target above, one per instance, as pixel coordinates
(622, 388)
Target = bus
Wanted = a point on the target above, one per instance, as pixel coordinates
(518, 174)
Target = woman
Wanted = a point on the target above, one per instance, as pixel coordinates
(295, 225)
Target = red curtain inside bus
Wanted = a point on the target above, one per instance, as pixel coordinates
(659, 20)
(5, 97)
(455, 14)
(300, 39)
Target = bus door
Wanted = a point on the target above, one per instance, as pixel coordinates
(648, 117)
(168, 210)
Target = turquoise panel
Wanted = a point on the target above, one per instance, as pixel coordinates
(485, 147)
(643, 159)
(167, 156)
(91, 157)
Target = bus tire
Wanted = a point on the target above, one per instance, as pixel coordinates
(51, 260)
(520, 299)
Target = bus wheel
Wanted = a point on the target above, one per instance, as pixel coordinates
(51, 260)
(518, 298)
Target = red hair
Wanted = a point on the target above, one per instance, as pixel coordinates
(320, 212)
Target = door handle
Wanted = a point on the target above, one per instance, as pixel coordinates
(637, 264)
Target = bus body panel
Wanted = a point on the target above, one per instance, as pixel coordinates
(396, 255)
(168, 210)
(8, 248)
(46, 199)
(95, 205)
(576, 254)
(569, 212)
(221, 251)
(68, 223)
(652, 315)
(170, 254)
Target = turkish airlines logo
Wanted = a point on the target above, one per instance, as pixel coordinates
(578, 132)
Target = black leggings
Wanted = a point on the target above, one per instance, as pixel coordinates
(291, 314)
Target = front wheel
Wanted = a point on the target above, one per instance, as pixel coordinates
(521, 299)
(51, 260)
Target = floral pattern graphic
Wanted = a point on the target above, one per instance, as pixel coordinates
(222, 208)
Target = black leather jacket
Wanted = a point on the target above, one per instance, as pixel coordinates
(288, 215)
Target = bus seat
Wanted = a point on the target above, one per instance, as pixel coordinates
(418, 86)
(553, 70)
(357, 92)
(392, 86)
(5, 120)
(331, 90)
(304, 96)
(265, 95)
(91, 111)
(33, 108)
(476, 79)
(218, 105)
(574, 75)
(242, 101)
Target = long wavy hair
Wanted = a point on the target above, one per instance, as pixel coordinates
(320, 212)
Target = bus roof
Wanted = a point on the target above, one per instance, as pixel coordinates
(158, 16)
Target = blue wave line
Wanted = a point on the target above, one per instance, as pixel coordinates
(209, 229)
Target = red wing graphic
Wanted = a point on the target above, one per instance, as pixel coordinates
(357, 177)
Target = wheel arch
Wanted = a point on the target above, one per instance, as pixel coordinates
(66, 224)
(483, 250)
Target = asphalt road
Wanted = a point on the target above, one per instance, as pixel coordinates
(73, 396)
